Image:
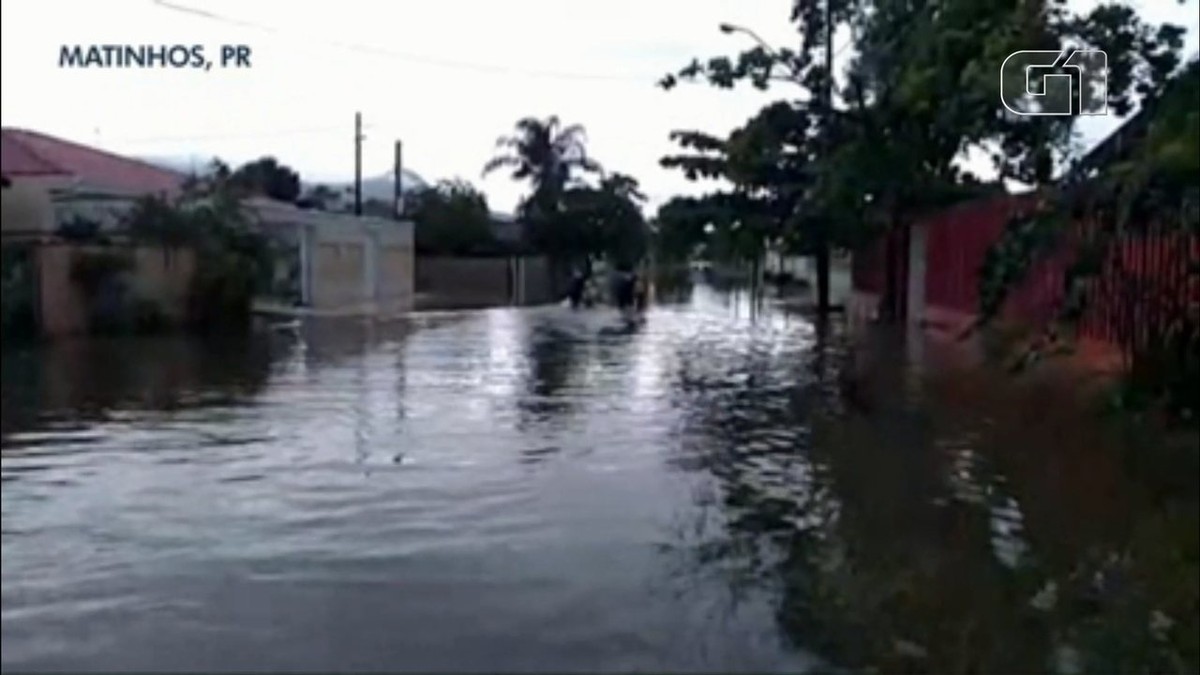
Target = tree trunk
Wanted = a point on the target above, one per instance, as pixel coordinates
(889, 301)
(823, 271)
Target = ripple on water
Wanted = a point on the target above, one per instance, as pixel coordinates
(513, 489)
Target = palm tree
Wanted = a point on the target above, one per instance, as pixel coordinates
(623, 186)
(545, 153)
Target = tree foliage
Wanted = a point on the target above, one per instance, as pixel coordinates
(1142, 186)
(920, 91)
(268, 177)
(605, 220)
(887, 145)
(320, 197)
(234, 259)
(720, 226)
(547, 154)
(451, 217)
(264, 177)
(566, 215)
(680, 229)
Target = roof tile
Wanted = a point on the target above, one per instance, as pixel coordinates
(33, 153)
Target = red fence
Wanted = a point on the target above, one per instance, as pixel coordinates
(869, 267)
(1145, 281)
(956, 241)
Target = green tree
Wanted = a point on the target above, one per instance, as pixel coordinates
(680, 228)
(921, 91)
(726, 227)
(550, 157)
(768, 162)
(320, 197)
(452, 217)
(606, 220)
(269, 178)
(1143, 184)
(234, 260)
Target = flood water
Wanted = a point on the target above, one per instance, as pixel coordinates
(528, 489)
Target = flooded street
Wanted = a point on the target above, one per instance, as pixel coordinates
(718, 489)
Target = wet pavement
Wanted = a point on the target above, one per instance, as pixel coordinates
(724, 487)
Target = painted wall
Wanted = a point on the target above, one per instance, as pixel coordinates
(538, 285)
(337, 269)
(160, 275)
(396, 278)
(40, 205)
(164, 276)
(944, 253)
(447, 282)
(26, 209)
(349, 265)
(459, 282)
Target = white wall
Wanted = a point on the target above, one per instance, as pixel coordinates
(349, 264)
(26, 209)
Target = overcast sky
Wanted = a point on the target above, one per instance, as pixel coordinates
(445, 76)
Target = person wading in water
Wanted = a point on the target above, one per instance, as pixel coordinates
(630, 294)
(623, 289)
(576, 290)
(639, 293)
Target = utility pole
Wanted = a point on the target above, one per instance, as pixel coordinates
(397, 184)
(358, 139)
(823, 253)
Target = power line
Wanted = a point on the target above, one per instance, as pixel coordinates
(411, 57)
(194, 11)
(238, 136)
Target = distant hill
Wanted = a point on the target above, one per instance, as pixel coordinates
(183, 164)
(374, 187)
(378, 187)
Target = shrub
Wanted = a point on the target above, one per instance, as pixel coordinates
(91, 269)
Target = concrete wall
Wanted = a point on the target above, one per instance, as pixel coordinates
(62, 309)
(396, 278)
(805, 267)
(464, 282)
(337, 272)
(26, 209)
(538, 286)
(160, 275)
(349, 265)
(916, 274)
(110, 212)
(164, 276)
(38, 206)
(446, 282)
(798, 266)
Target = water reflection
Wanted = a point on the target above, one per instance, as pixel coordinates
(77, 381)
(552, 356)
(893, 540)
(718, 489)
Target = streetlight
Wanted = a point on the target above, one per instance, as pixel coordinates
(729, 29)
(826, 97)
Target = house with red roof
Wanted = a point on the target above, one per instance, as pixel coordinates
(62, 163)
(53, 180)
(342, 263)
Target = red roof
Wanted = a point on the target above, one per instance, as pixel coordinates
(28, 153)
(18, 160)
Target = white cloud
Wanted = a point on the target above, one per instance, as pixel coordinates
(448, 117)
